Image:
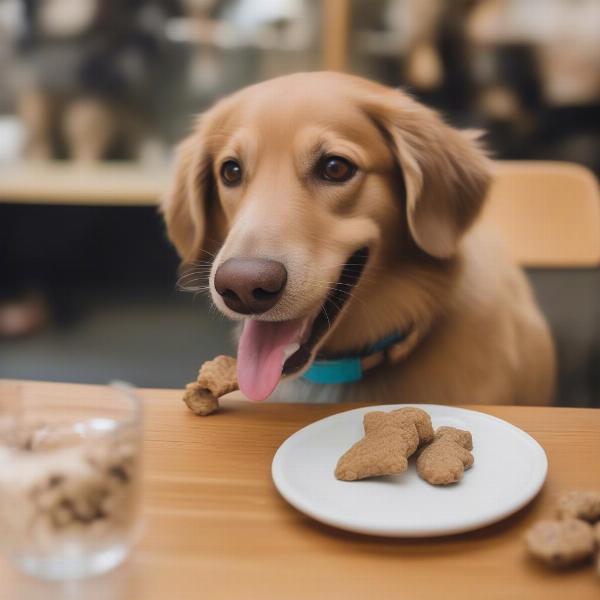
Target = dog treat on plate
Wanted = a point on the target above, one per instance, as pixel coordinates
(580, 504)
(444, 461)
(561, 543)
(390, 438)
(421, 420)
(216, 378)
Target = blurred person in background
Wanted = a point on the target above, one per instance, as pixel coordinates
(420, 45)
(83, 85)
(538, 66)
(433, 60)
(86, 78)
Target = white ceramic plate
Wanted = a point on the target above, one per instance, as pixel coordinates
(510, 468)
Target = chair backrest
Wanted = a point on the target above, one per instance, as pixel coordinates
(547, 213)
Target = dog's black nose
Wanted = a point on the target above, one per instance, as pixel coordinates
(250, 285)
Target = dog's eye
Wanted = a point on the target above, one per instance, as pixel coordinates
(336, 169)
(231, 172)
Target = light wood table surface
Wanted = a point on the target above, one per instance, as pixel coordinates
(216, 528)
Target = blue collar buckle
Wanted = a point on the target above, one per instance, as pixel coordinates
(348, 369)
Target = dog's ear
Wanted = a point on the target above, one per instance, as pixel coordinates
(446, 174)
(190, 203)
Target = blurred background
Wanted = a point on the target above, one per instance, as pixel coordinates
(95, 93)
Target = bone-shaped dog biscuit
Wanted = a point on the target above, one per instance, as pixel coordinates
(444, 461)
(390, 438)
(216, 378)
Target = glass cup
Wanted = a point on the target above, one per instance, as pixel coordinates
(70, 477)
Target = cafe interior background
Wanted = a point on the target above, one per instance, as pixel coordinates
(95, 94)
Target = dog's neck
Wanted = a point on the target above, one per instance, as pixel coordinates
(409, 296)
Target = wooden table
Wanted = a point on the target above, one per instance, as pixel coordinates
(215, 527)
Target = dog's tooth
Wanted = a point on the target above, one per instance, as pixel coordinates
(290, 349)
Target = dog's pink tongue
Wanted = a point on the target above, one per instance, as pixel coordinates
(261, 355)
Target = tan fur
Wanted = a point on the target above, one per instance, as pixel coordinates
(419, 189)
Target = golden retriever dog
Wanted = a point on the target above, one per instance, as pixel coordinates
(338, 218)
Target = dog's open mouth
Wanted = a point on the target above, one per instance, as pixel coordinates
(330, 310)
(267, 349)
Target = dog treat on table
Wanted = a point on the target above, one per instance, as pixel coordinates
(578, 504)
(216, 378)
(444, 461)
(561, 543)
(572, 538)
(390, 438)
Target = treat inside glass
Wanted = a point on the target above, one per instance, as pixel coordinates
(69, 477)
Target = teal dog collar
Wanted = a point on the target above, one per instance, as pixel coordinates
(347, 369)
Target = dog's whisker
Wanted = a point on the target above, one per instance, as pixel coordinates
(335, 283)
(192, 280)
(332, 285)
(198, 263)
(194, 272)
(197, 269)
(187, 275)
(198, 293)
(194, 277)
(195, 281)
(196, 260)
(326, 316)
(370, 267)
(350, 295)
(191, 288)
(194, 267)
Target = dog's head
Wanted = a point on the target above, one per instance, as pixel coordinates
(307, 186)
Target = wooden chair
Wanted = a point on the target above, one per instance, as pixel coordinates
(548, 213)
